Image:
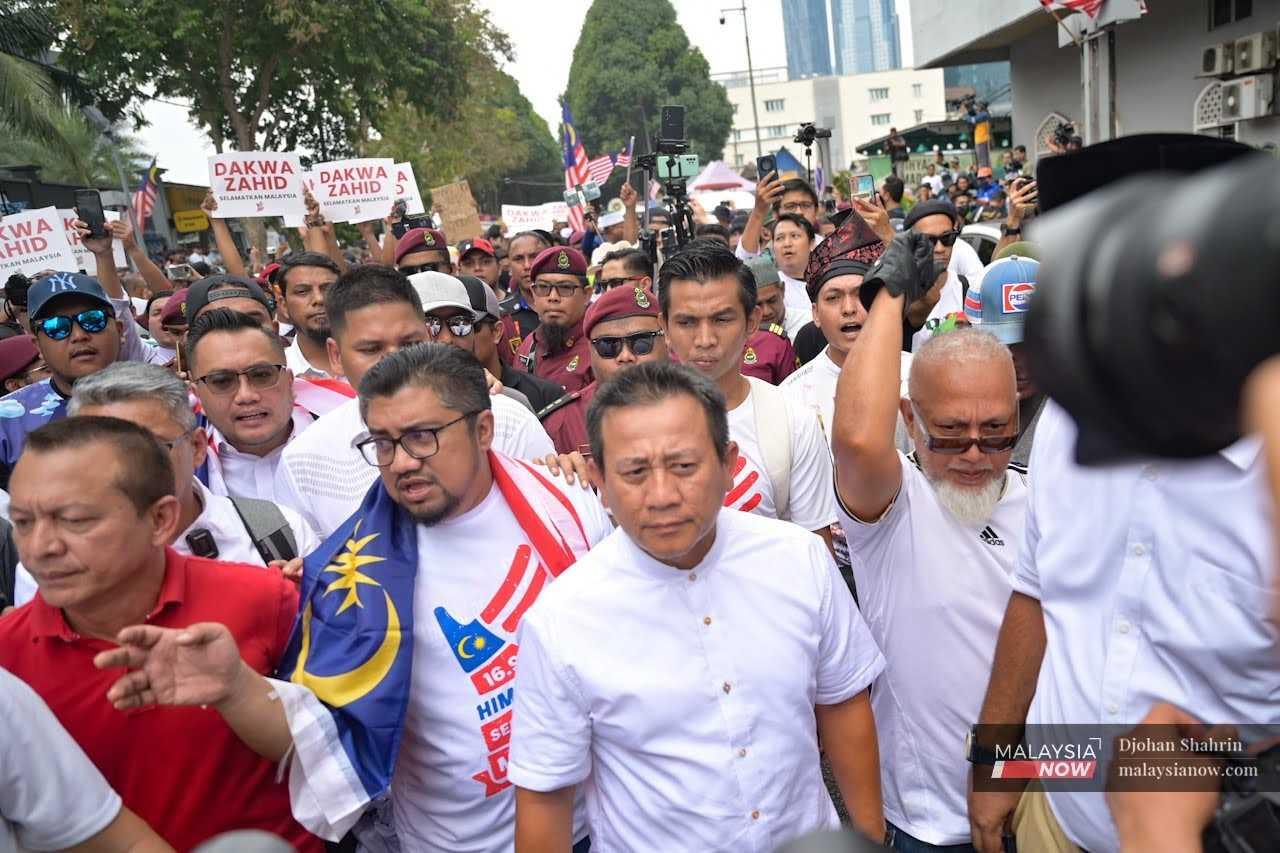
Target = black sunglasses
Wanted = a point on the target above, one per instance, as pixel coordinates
(946, 238)
(433, 266)
(610, 347)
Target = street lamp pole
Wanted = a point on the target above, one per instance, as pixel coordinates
(751, 74)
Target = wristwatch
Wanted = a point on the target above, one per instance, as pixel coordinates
(1010, 232)
(976, 753)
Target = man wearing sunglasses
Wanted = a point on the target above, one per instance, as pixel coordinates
(934, 536)
(624, 329)
(954, 261)
(423, 250)
(557, 350)
(77, 333)
(489, 339)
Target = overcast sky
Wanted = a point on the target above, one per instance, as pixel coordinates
(543, 51)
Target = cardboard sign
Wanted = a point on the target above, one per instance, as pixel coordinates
(256, 183)
(355, 190)
(32, 241)
(407, 188)
(84, 258)
(519, 218)
(459, 216)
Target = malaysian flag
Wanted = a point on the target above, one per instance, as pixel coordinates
(145, 198)
(575, 164)
(1089, 7)
(600, 168)
(623, 160)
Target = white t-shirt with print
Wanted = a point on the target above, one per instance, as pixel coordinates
(812, 499)
(477, 577)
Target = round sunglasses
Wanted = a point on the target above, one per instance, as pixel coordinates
(58, 328)
(641, 343)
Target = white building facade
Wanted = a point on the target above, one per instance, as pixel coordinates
(856, 108)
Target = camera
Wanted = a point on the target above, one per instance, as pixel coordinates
(672, 166)
(808, 132)
(1064, 133)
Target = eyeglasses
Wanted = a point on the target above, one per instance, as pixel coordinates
(955, 445)
(946, 238)
(433, 266)
(418, 443)
(563, 290)
(797, 206)
(611, 283)
(59, 328)
(169, 443)
(260, 376)
(641, 343)
(459, 326)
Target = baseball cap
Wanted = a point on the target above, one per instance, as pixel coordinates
(214, 287)
(765, 271)
(1022, 248)
(998, 302)
(427, 239)
(599, 252)
(17, 352)
(440, 290)
(483, 300)
(477, 245)
(59, 284)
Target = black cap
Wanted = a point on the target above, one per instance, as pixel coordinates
(932, 207)
(215, 287)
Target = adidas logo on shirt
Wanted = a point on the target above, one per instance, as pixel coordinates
(989, 536)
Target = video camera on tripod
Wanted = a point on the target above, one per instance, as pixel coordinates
(806, 136)
(671, 166)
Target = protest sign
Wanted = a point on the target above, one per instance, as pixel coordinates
(84, 258)
(519, 218)
(32, 241)
(459, 216)
(256, 183)
(407, 188)
(355, 190)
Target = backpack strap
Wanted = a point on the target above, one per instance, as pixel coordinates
(8, 565)
(773, 432)
(268, 528)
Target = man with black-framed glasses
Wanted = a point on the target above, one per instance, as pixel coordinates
(557, 350)
(489, 339)
(76, 331)
(624, 330)
(933, 537)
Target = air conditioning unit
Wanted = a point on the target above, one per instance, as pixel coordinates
(1256, 52)
(1247, 97)
(1218, 60)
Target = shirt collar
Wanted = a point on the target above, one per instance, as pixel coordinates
(1244, 452)
(49, 621)
(660, 571)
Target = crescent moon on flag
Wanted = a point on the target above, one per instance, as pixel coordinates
(352, 685)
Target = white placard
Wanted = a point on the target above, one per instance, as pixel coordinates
(83, 256)
(256, 183)
(407, 188)
(32, 241)
(355, 190)
(519, 218)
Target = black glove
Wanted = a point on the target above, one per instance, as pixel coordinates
(905, 268)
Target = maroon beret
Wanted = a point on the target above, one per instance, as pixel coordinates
(559, 259)
(17, 353)
(426, 239)
(618, 303)
(174, 312)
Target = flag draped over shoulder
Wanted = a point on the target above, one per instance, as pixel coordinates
(352, 644)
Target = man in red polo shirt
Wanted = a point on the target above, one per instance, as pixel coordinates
(92, 509)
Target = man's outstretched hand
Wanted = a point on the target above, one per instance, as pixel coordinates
(198, 665)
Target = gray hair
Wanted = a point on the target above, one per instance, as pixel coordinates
(965, 346)
(126, 381)
(451, 372)
(653, 382)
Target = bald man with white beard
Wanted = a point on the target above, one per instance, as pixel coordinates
(936, 535)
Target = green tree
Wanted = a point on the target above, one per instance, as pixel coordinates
(277, 74)
(631, 59)
(92, 163)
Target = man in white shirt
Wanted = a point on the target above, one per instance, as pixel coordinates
(481, 562)
(372, 312)
(303, 278)
(246, 391)
(935, 534)
(952, 259)
(708, 740)
(783, 470)
(52, 797)
(1143, 582)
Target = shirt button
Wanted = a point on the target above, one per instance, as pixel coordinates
(726, 688)
(706, 620)
(1113, 709)
(755, 815)
(1124, 627)
(742, 753)
(1138, 550)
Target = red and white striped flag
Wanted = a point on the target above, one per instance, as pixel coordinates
(624, 158)
(600, 168)
(1089, 7)
(575, 164)
(145, 198)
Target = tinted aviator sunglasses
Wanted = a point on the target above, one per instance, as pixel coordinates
(955, 445)
(59, 328)
(641, 343)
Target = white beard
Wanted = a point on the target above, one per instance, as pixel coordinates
(971, 507)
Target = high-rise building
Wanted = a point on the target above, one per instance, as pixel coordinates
(804, 27)
(866, 36)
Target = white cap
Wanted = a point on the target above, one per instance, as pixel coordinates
(611, 219)
(440, 290)
(597, 256)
